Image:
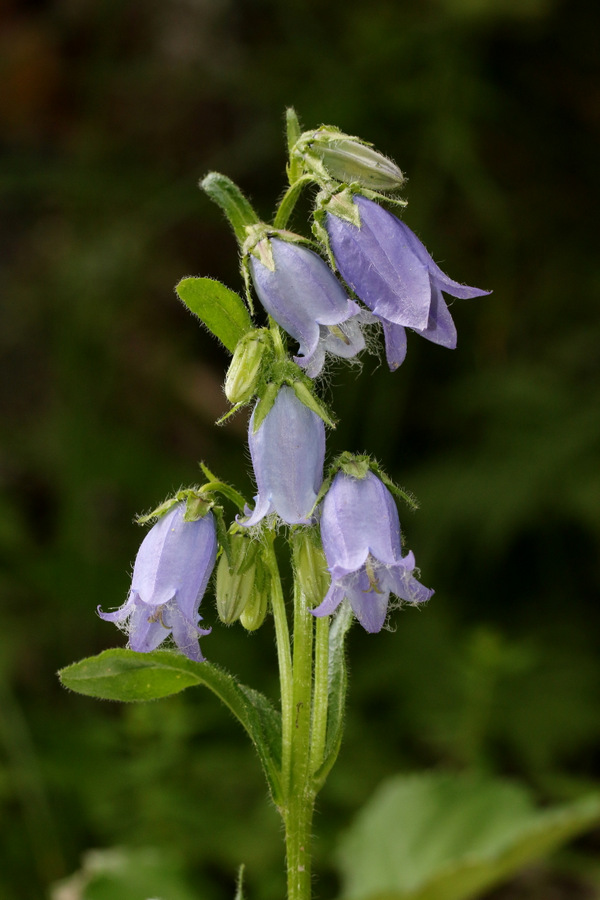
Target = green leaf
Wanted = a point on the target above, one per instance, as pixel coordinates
(450, 837)
(226, 194)
(338, 682)
(125, 675)
(222, 310)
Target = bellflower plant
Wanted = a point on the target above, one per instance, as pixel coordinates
(361, 539)
(288, 451)
(340, 525)
(387, 266)
(171, 571)
(303, 296)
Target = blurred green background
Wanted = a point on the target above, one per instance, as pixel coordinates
(110, 112)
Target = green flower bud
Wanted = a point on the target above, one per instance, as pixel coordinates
(311, 568)
(244, 370)
(255, 610)
(350, 161)
(236, 581)
(332, 153)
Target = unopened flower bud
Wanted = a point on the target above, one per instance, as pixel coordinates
(244, 369)
(255, 610)
(236, 578)
(311, 568)
(349, 160)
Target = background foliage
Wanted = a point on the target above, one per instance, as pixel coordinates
(109, 114)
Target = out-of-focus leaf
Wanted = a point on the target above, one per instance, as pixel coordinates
(125, 874)
(447, 837)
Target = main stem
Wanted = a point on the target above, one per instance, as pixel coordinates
(299, 809)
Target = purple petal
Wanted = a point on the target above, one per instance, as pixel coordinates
(400, 581)
(301, 294)
(149, 626)
(331, 601)
(439, 278)
(368, 601)
(186, 634)
(440, 327)
(175, 556)
(380, 265)
(171, 571)
(287, 453)
(121, 614)
(395, 344)
(359, 518)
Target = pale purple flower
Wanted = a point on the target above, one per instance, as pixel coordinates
(387, 266)
(361, 539)
(303, 296)
(287, 452)
(171, 571)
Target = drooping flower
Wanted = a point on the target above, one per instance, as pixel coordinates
(361, 539)
(303, 296)
(171, 571)
(387, 266)
(287, 453)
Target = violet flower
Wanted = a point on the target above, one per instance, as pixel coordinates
(361, 539)
(171, 571)
(303, 296)
(387, 266)
(287, 453)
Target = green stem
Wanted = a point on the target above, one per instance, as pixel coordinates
(289, 200)
(299, 812)
(284, 657)
(321, 694)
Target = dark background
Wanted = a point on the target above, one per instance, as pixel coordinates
(109, 114)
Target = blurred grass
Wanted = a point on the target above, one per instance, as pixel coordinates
(109, 115)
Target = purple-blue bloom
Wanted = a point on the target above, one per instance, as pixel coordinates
(287, 452)
(361, 539)
(171, 571)
(303, 296)
(387, 266)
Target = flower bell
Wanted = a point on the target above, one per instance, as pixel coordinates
(288, 451)
(388, 267)
(361, 539)
(303, 296)
(171, 571)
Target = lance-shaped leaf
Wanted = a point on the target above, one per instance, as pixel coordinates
(222, 310)
(120, 674)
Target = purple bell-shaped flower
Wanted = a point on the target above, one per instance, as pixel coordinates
(171, 571)
(387, 266)
(288, 452)
(303, 296)
(361, 539)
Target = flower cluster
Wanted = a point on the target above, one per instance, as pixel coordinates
(385, 268)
